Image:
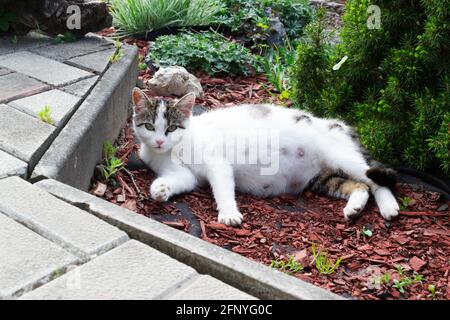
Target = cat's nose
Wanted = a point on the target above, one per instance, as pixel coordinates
(159, 142)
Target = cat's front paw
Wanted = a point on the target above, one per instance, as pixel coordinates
(230, 218)
(390, 210)
(387, 203)
(160, 191)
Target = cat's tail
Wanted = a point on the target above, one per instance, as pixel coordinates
(383, 176)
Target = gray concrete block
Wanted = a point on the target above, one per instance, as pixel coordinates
(32, 40)
(94, 62)
(27, 259)
(66, 51)
(70, 227)
(61, 104)
(11, 166)
(249, 276)
(81, 88)
(208, 288)
(130, 271)
(17, 85)
(44, 69)
(78, 148)
(21, 135)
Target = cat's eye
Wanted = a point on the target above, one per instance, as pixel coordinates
(171, 128)
(149, 126)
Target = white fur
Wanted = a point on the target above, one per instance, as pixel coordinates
(356, 203)
(386, 203)
(304, 150)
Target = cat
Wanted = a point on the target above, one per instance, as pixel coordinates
(306, 152)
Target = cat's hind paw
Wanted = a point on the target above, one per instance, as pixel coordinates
(355, 204)
(233, 218)
(160, 191)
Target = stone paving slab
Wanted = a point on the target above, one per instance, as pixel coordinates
(11, 166)
(26, 258)
(82, 87)
(66, 51)
(70, 227)
(22, 135)
(17, 85)
(208, 288)
(94, 62)
(130, 271)
(44, 69)
(32, 40)
(60, 103)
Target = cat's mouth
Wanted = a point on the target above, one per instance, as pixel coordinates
(159, 149)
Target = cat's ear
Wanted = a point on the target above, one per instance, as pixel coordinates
(141, 101)
(185, 104)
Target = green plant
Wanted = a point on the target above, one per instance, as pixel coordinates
(378, 281)
(405, 202)
(109, 150)
(253, 17)
(366, 232)
(6, 18)
(291, 266)
(111, 167)
(400, 269)
(139, 17)
(117, 53)
(112, 164)
(67, 37)
(395, 85)
(323, 264)
(432, 290)
(46, 115)
(276, 64)
(205, 51)
(142, 66)
(405, 281)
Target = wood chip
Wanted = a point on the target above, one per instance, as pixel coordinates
(416, 263)
(99, 189)
(217, 226)
(242, 232)
(175, 224)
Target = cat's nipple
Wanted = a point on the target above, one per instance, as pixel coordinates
(300, 153)
(284, 151)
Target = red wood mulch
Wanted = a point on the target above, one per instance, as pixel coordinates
(287, 225)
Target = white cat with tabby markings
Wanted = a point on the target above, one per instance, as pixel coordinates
(319, 154)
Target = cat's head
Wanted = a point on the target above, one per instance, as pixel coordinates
(158, 123)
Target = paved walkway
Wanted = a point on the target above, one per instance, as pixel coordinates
(35, 73)
(50, 249)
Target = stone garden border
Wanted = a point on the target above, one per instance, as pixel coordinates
(229, 267)
(76, 150)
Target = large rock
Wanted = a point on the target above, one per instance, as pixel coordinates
(174, 81)
(276, 32)
(52, 15)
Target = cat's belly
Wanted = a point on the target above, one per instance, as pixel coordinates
(291, 173)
